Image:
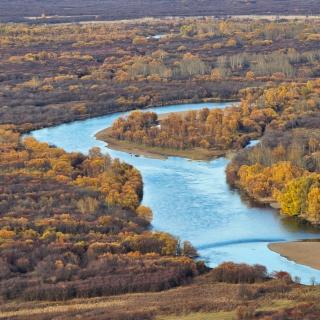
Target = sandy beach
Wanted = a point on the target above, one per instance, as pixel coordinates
(303, 252)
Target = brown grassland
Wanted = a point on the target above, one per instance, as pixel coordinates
(52, 74)
(204, 299)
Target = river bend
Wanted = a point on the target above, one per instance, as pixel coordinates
(191, 200)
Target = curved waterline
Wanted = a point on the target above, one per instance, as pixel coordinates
(239, 241)
(191, 200)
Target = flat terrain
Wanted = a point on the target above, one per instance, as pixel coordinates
(51, 74)
(303, 252)
(85, 10)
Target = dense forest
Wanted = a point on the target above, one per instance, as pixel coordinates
(57, 73)
(285, 166)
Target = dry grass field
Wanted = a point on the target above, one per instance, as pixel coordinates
(202, 300)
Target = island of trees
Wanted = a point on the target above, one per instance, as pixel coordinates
(205, 128)
(195, 134)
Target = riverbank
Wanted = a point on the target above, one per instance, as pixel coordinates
(265, 201)
(158, 152)
(190, 199)
(29, 127)
(302, 252)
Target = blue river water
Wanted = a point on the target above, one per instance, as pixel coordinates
(191, 200)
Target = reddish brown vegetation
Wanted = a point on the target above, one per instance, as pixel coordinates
(239, 273)
(273, 299)
(71, 226)
(59, 73)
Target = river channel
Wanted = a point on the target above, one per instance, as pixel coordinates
(191, 200)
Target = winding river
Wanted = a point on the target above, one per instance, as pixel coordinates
(191, 200)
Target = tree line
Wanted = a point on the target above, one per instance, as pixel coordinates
(284, 167)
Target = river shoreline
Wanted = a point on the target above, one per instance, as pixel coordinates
(30, 128)
(191, 200)
(158, 152)
(192, 154)
(302, 252)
